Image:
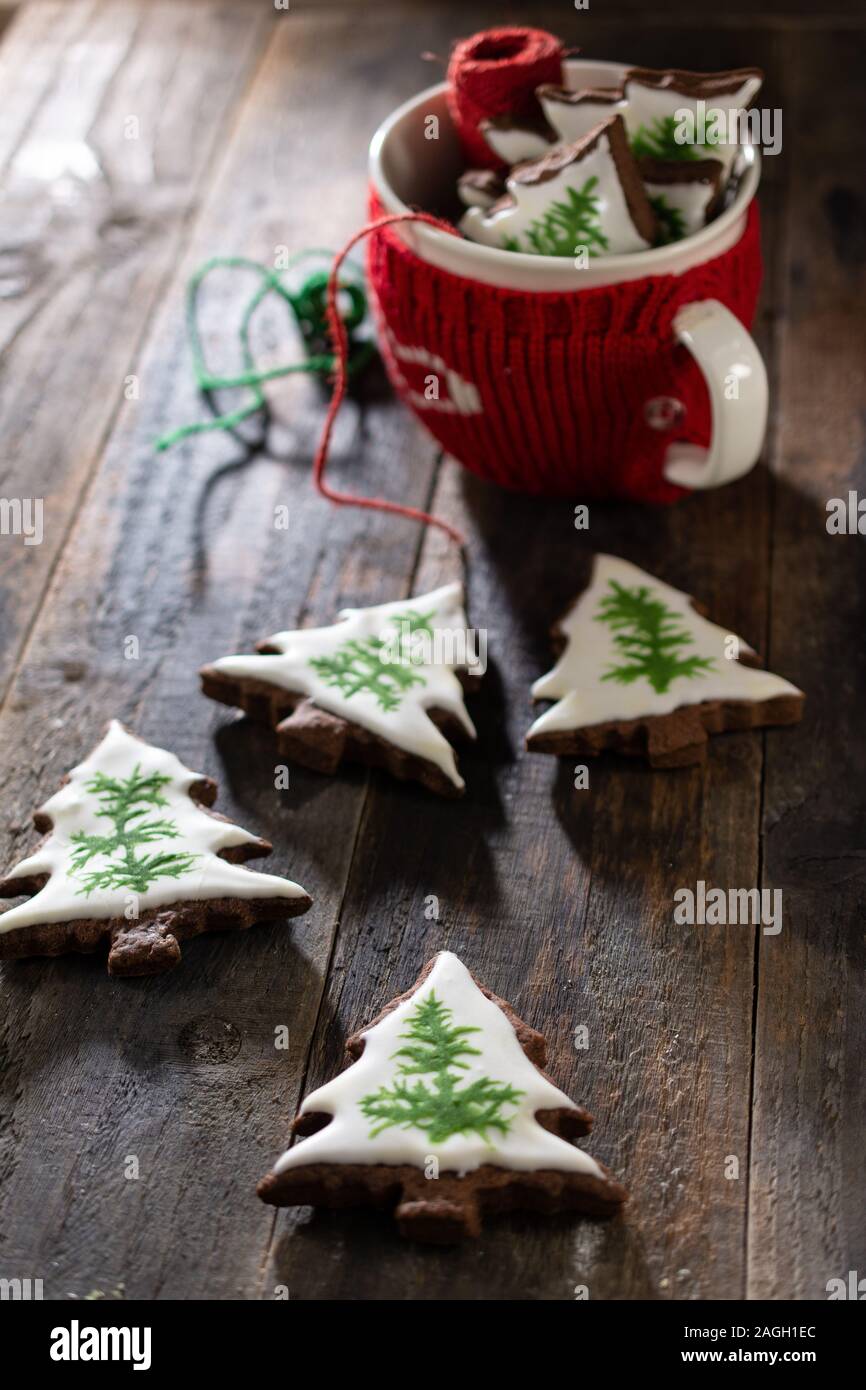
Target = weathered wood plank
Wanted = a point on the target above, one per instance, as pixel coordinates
(562, 902)
(42, 32)
(807, 1203)
(90, 224)
(181, 551)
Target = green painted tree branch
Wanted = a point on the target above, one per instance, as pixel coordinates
(378, 666)
(124, 803)
(436, 1047)
(649, 637)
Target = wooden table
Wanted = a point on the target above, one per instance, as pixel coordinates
(707, 1045)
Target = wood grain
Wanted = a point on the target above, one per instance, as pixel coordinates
(181, 551)
(90, 226)
(705, 1044)
(807, 1204)
(561, 901)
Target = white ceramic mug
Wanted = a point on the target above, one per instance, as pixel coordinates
(408, 170)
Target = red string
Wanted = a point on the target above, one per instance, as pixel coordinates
(341, 352)
(495, 73)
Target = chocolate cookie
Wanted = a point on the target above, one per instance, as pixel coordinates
(513, 139)
(479, 188)
(573, 114)
(642, 672)
(443, 1115)
(671, 114)
(384, 686)
(132, 858)
(588, 194)
(684, 194)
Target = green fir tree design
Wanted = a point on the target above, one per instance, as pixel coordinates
(672, 226)
(649, 637)
(378, 666)
(434, 1046)
(565, 227)
(658, 141)
(124, 803)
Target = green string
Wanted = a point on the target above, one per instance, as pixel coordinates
(309, 307)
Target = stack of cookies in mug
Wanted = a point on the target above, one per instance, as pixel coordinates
(607, 170)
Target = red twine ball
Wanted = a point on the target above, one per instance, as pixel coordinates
(496, 73)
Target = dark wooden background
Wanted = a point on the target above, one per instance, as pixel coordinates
(705, 1043)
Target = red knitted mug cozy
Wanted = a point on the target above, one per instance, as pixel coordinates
(555, 393)
(495, 73)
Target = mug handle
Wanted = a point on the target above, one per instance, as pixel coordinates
(725, 353)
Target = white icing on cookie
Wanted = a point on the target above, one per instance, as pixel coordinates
(648, 109)
(544, 214)
(479, 188)
(573, 120)
(690, 199)
(578, 682)
(390, 697)
(512, 143)
(499, 1060)
(168, 824)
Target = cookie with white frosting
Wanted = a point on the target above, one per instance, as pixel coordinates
(442, 1115)
(514, 139)
(673, 114)
(480, 188)
(383, 686)
(573, 114)
(134, 860)
(586, 195)
(641, 671)
(685, 194)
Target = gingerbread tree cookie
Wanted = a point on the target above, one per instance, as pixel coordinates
(444, 1115)
(573, 114)
(642, 672)
(587, 194)
(382, 686)
(514, 140)
(661, 109)
(132, 857)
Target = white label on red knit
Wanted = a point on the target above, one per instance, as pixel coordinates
(428, 383)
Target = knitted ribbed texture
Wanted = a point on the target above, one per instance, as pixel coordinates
(550, 390)
(495, 73)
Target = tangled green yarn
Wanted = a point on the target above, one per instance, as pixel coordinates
(308, 305)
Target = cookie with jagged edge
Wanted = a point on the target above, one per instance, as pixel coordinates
(588, 194)
(573, 114)
(516, 138)
(480, 188)
(641, 671)
(383, 686)
(685, 194)
(684, 179)
(134, 859)
(660, 103)
(443, 1115)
